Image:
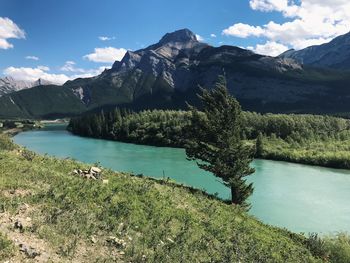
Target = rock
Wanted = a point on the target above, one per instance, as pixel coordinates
(105, 181)
(91, 173)
(116, 242)
(29, 251)
(95, 170)
(90, 176)
(93, 239)
(18, 225)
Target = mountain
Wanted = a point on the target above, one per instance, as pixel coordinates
(335, 54)
(40, 82)
(168, 74)
(9, 84)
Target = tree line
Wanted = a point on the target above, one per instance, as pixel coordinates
(167, 127)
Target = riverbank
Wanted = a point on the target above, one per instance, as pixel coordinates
(13, 127)
(306, 139)
(68, 218)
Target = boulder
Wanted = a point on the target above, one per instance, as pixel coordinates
(29, 251)
(95, 170)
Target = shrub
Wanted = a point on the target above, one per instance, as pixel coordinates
(6, 143)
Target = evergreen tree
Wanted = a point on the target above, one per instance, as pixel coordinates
(259, 145)
(215, 142)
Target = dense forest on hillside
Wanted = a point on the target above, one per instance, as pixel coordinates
(309, 139)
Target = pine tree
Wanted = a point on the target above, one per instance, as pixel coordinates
(259, 145)
(215, 142)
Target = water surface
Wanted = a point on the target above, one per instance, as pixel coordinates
(301, 198)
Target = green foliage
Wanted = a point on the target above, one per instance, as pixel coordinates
(259, 145)
(317, 246)
(156, 127)
(214, 141)
(338, 248)
(330, 248)
(6, 247)
(6, 143)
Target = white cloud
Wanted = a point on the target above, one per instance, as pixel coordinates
(43, 68)
(212, 35)
(287, 7)
(88, 73)
(43, 72)
(104, 38)
(69, 66)
(309, 22)
(199, 38)
(33, 74)
(8, 29)
(32, 57)
(106, 55)
(269, 48)
(243, 30)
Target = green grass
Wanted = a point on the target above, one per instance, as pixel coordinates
(6, 247)
(160, 221)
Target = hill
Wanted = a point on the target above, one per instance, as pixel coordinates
(51, 214)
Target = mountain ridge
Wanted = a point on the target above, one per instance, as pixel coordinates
(167, 75)
(9, 84)
(334, 54)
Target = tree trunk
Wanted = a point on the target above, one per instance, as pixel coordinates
(233, 196)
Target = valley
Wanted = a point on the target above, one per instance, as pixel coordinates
(166, 132)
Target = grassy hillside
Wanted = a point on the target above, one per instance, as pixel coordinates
(123, 218)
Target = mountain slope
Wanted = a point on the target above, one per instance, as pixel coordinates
(335, 54)
(44, 101)
(168, 73)
(9, 84)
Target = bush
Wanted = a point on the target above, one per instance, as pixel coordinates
(338, 248)
(6, 143)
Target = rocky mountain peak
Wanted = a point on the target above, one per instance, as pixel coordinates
(182, 36)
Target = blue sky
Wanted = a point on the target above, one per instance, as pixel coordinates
(57, 31)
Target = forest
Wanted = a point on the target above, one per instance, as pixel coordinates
(309, 139)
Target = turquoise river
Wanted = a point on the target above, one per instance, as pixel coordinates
(300, 198)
